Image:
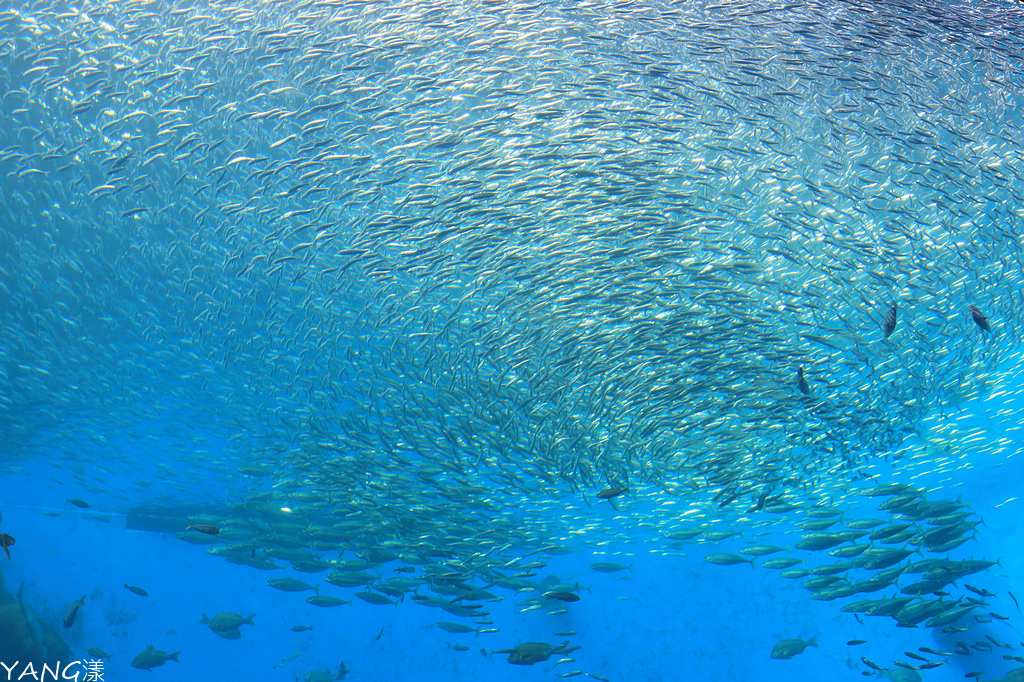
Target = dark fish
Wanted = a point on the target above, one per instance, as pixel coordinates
(728, 559)
(227, 624)
(997, 643)
(890, 322)
(290, 585)
(204, 528)
(609, 493)
(562, 596)
(801, 383)
(326, 600)
(374, 598)
(6, 541)
(137, 590)
(530, 653)
(72, 611)
(855, 642)
(152, 658)
(980, 319)
(788, 648)
(81, 504)
(301, 628)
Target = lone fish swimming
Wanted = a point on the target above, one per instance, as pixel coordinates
(788, 648)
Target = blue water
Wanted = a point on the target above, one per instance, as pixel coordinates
(672, 616)
(159, 366)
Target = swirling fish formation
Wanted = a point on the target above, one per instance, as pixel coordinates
(429, 267)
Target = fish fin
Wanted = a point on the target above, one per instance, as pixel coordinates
(813, 641)
(173, 657)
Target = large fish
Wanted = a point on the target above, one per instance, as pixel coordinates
(153, 658)
(980, 319)
(889, 324)
(71, 612)
(788, 648)
(530, 653)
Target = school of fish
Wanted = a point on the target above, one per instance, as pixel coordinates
(430, 267)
